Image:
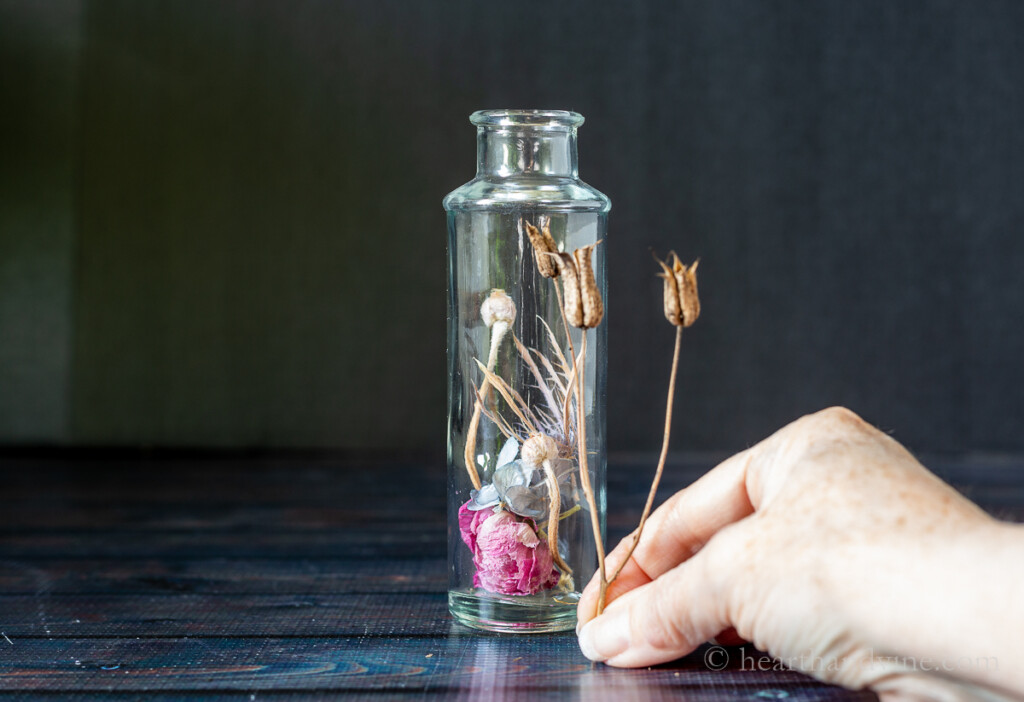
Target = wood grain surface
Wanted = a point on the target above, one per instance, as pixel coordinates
(304, 577)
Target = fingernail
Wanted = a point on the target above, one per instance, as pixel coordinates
(578, 625)
(605, 637)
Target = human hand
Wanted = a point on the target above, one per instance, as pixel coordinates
(828, 546)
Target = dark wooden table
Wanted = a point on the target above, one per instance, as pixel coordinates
(184, 577)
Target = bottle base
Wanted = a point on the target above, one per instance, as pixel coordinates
(514, 615)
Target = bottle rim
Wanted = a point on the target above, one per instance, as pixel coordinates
(533, 119)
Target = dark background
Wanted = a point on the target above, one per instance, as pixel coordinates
(221, 224)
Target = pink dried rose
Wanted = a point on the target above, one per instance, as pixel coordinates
(469, 524)
(509, 557)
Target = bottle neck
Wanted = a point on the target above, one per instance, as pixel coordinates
(509, 151)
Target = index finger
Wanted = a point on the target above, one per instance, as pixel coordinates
(677, 530)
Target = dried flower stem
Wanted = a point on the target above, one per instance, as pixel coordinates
(588, 490)
(682, 308)
(661, 459)
(565, 324)
(554, 509)
(498, 332)
(572, 383)
(572, 350)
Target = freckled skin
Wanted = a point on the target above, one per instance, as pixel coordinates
(827, 541)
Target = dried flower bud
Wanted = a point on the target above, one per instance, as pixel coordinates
(593, 307)
(537, 449)
(543, 246)
(498, 307)
(682, 305)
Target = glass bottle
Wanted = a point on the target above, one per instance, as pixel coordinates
(518, 370)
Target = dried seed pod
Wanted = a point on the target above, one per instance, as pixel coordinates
(498, 307)
(673, 313)
(593, 306)
(537, 449)
(543, 245)
(572, 302)
(686, 281)
(682, 304)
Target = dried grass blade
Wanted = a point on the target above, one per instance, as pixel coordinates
(507, 431)
(556, 347)
(572, 383)
(498, 420)
(511, 397)
(555, 378)
(545, 418)
(541, 383)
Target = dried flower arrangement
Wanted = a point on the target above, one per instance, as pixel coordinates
(511, 524)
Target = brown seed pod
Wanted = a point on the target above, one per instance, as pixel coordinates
(672, 312)
(573, 302)
(682, 304)
(686, 281)
(543, 245)
(593, 306)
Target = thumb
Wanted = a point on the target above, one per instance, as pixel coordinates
(666, 618)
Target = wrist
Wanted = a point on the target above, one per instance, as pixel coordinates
(948, 602)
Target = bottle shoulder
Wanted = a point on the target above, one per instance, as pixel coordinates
(548, 192)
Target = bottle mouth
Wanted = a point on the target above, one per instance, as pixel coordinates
(533, 119)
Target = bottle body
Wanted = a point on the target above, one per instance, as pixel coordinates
(526, 387)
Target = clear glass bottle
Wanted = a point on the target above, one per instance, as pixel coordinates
(514, 425)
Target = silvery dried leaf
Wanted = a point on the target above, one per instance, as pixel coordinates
(508, 452)
(486, 496)
(511, 475)
(526, 502)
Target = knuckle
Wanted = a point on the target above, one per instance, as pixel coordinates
(836, 420)
(838, 414)
(823, 431)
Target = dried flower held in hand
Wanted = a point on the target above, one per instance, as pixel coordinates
(682, 305)
(543, 246)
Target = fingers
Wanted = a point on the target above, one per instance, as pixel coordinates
(664, 619)
(726, 494)
(677, 530)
